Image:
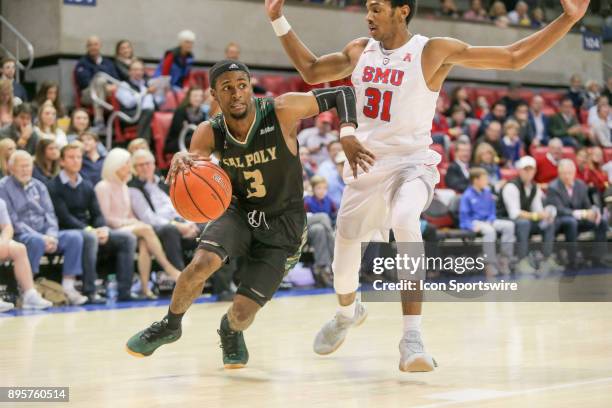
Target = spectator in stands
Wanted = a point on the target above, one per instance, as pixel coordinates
(16, 252)
(114, 199)
(93, 161)
(308, 166)
(576, 92)
(563, 125)
(593, 118)
(499, 14)
(498, 113)
(477, 213)
(124, 56)
(35, 223)
(327, 168)
(46, 160)
(526, 129)
(192, 111)
(47, 125)
(511, 142)
(21, 130)
(596, 178)
(149, 100)
(7, 103)
(546, 166)
(575, 211)
(7, 147)
(582, 158)
(439, 126)
(485, 157)
(520, 15)
(79, 124)
(49, 91)
(460, 97)
(482, 107)
(138, 144)
(77, 208)
(151, 204)
(522, 202)
(335, 182)
(592, 93)
(538, 20)
(177, 62)
(316, 138)
(458, 173)
(602, 129)
(608, 89)
(9, 69)
(511, 100)
(232, 51)
(87, 79)
(476, 12)
(448, 8)
(493, 136)
(538, 122)
(457, 124)
(321, 213)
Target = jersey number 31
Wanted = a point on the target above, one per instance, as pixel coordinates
(372, 106)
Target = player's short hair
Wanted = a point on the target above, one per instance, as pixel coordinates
(70, 146)
(410, 3)
(476, 173)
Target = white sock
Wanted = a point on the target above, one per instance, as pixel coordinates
(68, 284)
(347, 311)
(412, 323)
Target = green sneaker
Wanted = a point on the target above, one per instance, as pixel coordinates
(144, 343)
(235, 353)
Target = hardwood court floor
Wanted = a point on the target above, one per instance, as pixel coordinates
(490, 355)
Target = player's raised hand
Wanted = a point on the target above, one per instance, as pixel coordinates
(183, 161)
(274, 8)
(575, 9)
(356, 154)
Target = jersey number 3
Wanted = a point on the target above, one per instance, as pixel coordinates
(256, 188)
(372, 106)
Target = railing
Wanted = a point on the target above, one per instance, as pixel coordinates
(115, 113)
(19, 39)
(183, 136)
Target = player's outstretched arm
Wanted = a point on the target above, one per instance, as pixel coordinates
(314, 70)
(443, 53)
(292, 107)
(201, 147)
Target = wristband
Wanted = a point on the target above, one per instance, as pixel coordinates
(347, 131)
(281, 26)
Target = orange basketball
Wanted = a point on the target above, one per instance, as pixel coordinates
(202, 193)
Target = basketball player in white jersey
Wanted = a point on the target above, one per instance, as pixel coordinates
(397, 76)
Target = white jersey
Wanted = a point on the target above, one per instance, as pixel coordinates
(395, 108)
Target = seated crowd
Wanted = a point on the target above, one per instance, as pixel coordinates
(518, 167)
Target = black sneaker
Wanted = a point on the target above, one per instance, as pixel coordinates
(235, 353)
(144, 343)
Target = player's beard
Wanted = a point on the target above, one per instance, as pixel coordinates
(240, 116)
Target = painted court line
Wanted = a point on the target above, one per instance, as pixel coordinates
(473, 395)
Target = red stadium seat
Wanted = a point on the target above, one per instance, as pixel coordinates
(569, 153)
(160, 124)
(438, 148)
(173, 100)
(526, 94)
(488, 93)
(276, 84)
(551, 98)
(539, 151)
(549, 111)
(583, 116)
(198, 78)
(607, 154)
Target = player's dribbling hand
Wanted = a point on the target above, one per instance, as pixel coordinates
(183, 161)
(274, 8)
(575, 9)
(356, 154)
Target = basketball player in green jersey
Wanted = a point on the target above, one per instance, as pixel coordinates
(255, 141)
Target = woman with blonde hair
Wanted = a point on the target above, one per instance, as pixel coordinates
(7, 102)
(486, 158)
(47, 124)
(46, 160)
(114, 198)
(7, 147)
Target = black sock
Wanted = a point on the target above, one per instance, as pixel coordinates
(174, 320)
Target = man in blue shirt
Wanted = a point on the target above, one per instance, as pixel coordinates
(35, 223)
(477, 213)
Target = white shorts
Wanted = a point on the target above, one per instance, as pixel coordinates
(367, 201)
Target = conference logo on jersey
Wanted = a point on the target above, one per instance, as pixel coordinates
(408, 57)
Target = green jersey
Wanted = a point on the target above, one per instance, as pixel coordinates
(265, 175)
